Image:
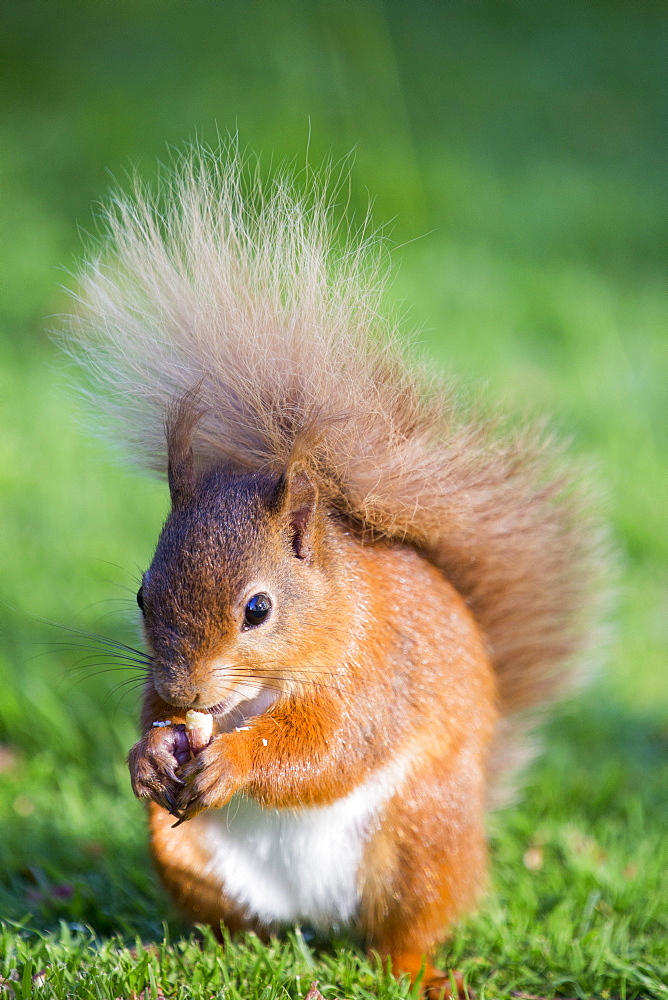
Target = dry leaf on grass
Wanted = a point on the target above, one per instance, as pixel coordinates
(314, 993)
(7, 991)
(533, 996)
(9, 759)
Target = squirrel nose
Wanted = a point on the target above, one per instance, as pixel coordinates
(198, 701)
(180, 693)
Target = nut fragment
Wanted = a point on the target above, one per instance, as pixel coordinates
(199, 729)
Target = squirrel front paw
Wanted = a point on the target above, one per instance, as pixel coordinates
(154, 762)
(207, 781)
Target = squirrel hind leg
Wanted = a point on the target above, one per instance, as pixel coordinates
(435, 984)
(424, 868)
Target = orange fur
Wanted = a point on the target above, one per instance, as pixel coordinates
(432, 577)
(425, 863)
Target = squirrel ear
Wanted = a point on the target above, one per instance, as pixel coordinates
(181, 477)
(179, 429)
(297, 497)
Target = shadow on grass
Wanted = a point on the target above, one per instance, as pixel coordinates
(107, 885)
(603, 760)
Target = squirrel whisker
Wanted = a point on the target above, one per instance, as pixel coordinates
(84, 667)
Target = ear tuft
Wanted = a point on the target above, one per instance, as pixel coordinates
(297, 495)
(180, 426)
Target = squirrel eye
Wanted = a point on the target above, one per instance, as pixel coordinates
(257, 610)
(140, 598)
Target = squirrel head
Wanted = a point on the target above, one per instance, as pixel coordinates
(237, 598)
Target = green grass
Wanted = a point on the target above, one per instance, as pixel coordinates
(517, 148)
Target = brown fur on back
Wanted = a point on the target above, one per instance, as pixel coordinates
(262, 316)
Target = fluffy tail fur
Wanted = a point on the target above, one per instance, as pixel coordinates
(257, 300)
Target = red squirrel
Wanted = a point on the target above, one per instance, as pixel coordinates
(367, 589)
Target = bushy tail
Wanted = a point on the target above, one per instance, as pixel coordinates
(274, 314)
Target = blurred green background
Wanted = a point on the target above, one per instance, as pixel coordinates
(518, 152)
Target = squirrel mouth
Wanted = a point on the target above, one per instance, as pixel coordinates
(219, 709)
(232, 713)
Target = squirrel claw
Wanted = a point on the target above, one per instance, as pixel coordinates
(153, 765)
(170, 804)
(174, 777)
(207, 781)
(186, 808)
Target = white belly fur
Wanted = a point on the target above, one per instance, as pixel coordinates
(297, 865)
